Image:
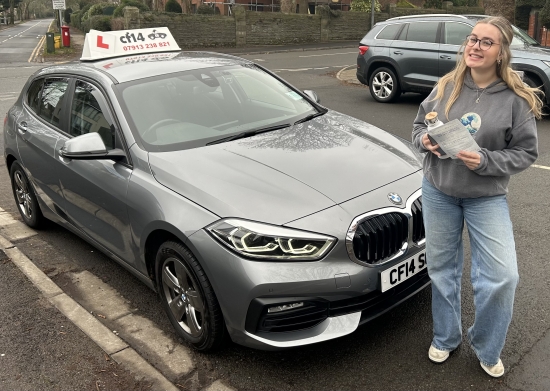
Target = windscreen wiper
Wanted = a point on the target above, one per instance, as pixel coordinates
(248, 133)
(311, 116)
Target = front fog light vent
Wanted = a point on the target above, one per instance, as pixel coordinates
(285, 307)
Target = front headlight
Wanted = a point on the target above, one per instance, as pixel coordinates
(265, 242)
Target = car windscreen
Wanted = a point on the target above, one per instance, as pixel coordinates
(522, 39)
(192, 108)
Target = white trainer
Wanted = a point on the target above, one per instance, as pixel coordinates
(494, 371)
(436, 355)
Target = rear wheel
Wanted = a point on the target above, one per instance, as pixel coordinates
(384, 86)
(188, 298)
(25, 198)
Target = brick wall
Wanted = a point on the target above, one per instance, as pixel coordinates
(194, 30)
(248, 28)
(275, 28)
(352, 25)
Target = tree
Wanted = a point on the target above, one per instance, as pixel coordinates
(364, 6)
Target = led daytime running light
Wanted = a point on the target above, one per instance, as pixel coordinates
(259, 240)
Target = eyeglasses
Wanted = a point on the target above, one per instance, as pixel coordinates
(484, 44)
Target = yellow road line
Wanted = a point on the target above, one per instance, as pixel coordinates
(36, 50)
(543, 167)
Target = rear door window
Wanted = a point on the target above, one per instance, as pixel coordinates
(52, 100)
(422, 32)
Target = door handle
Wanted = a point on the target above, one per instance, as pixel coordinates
(445, 57)
(22, 127)
(398, 52)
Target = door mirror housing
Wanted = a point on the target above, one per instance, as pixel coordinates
(89, 146)
(313, 96)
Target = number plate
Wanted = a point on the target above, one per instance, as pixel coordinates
(403, 271)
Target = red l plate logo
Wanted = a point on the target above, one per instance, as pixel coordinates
(100, 43)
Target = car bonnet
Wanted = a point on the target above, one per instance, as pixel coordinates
(283, 175)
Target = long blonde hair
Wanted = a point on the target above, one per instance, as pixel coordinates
(504, 71)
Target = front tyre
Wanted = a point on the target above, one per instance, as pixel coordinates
(384, 86)
(188, 298)
(26, 200)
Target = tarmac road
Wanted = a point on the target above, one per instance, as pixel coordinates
(18, 43)
(389, 353)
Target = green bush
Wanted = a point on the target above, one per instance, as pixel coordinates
(84, 12)
(75, 19)
(204, 9)
(118, 13)
(405, 4)
(97, 22)
(364, 6)
(172, 6)
(101, 9)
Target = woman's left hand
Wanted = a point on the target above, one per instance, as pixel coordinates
(471, 159)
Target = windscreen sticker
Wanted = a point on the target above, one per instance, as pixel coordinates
(294, 95)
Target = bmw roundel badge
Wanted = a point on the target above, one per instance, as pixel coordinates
(395, 198)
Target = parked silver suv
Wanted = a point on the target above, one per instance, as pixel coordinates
(411, 53)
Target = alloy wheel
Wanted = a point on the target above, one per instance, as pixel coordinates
(183, 296)
(382, 85)
(23, 195)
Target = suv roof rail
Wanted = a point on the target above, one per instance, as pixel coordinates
(428, 16)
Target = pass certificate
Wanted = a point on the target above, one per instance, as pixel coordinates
(453, 137)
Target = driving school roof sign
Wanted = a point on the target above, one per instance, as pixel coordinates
(100, 44)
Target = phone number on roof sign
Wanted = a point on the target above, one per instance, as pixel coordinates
(146, 46)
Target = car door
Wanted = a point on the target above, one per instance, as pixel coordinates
(95, 190)
(453, 35)
(416, 52)
(39, 130)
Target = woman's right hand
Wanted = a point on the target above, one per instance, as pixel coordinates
(429, 146)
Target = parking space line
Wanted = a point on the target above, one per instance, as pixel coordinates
(328, 54)
(538, 166)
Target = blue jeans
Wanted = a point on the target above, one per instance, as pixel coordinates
(494, 274)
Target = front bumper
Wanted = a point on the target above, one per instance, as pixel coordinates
(337, 295)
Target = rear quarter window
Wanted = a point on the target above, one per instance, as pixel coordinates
(33, 94)
(389, 32)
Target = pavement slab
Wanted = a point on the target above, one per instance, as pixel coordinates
(40, 349)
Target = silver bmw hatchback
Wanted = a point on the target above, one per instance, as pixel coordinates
(257, 214)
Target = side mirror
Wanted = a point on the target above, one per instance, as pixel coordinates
(312, 95)
(89, 146)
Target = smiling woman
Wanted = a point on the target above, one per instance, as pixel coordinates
(499, 111)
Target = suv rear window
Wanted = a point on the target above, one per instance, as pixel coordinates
(389, 31)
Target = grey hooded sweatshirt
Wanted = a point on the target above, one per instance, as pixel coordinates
(501, 124)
